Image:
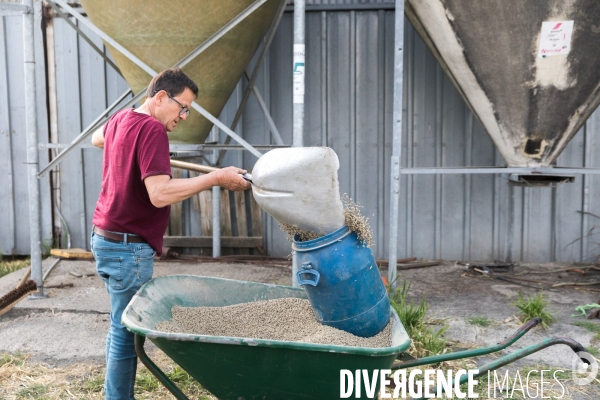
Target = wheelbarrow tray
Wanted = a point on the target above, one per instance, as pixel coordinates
(248, 368)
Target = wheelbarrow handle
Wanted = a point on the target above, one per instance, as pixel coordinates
(471, 353)
(517, 355)
(155, 370)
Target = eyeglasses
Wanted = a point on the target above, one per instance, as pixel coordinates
(184, 109)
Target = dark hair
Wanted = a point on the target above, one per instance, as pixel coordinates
(173, 81)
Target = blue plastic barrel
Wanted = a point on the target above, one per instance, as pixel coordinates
(343, 283)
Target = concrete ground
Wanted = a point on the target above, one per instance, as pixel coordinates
(70, 325)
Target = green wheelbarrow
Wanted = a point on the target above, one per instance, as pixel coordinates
(247, 368)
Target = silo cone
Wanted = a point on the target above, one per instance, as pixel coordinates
(162, 33)
(529, 69)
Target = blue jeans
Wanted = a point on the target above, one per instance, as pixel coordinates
(124, 269)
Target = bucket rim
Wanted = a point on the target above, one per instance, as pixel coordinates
(321, 241)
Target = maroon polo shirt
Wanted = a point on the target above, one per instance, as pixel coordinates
(136, 146)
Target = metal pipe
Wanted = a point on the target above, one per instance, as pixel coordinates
(216, 217)
(540, 171)
(54, 264)
(5, 132)
(32, 148)
(299, 66)
(298, 95)
(216, 204)
(395, 169)
(510, 223)
(467, 182)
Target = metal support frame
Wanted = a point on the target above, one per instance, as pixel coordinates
(221, 32)
(176, 147)
(265, 110)
(396, 141)
(32, 148)
(218, 156)
(85, 37)
(514, 175)
(254, 75)
(216, 208)
(541, 171)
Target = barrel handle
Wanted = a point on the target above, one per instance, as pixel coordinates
(306, 268)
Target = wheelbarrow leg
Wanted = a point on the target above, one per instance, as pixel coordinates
(156, 371)
(517, 355)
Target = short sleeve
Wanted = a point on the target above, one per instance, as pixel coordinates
(153, 151)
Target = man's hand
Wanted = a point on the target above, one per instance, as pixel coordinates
(230, 178)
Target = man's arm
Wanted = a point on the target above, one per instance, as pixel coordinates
(98, 137)
(164, 191)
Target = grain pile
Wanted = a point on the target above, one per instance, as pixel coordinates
(353, 219)
(288, 319)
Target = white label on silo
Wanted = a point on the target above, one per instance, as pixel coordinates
(555, 38)
(298, 90)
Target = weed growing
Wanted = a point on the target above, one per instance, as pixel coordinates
(424, 340)
(483, 322)
(590, 327)
(9, 265)
(532, 307)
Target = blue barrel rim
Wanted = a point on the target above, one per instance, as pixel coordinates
(322, 241)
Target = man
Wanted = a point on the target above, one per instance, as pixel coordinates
(133, 208)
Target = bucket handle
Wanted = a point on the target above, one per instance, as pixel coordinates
(306, 268)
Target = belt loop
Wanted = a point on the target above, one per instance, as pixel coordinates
(125, 238)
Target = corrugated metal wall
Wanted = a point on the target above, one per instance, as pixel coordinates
(349, 108)
(14, 206)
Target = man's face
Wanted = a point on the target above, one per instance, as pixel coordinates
(171, 112)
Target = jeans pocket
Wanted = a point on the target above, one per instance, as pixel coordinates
(110, 270)
(144, 258)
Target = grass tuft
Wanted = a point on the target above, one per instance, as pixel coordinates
(483, 322)
(590, 327)
(535, 306)
(35, 391)
(424, 340)
(10, 264)
(14, 359)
